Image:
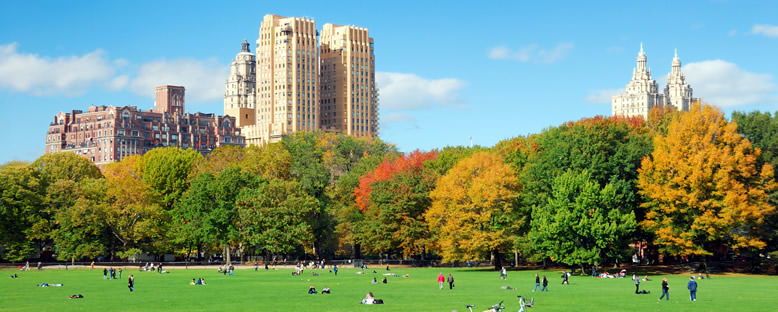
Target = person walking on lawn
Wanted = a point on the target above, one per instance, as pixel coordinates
(692, 289)
(665, 290)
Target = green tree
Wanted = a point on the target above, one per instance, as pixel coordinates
(609, 149)
(395, 213)
(762, 130)
(582, 222)
(308, 169)
(57, 172)
(82, 231)
(167, 172)
(276, 216)
(20, 204)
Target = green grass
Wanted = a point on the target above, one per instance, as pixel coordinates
(279, 291)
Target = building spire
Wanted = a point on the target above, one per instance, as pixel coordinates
(244, 47)
(641, 48)
(676, 53)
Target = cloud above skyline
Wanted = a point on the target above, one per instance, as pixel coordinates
(74, 75)
(405, 91)
(64, 75)
(603, 96)
(203, 79)
(724, 84)
(765, 29)
(532, 53)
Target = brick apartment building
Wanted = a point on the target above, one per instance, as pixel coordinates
(105, 134)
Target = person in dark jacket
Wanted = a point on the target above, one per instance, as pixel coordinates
(692, 286)
(537, 282)
(545, 284)
(131, 283)
(450, 281)
(665, 289)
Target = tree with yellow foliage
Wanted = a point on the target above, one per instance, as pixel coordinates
(472, 211)
(703, 186)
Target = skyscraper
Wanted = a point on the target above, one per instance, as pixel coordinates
(299, 85)
(287, 79)
(349, 98)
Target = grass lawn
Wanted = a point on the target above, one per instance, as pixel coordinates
(279, 291)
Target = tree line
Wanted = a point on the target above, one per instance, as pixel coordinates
(691, 184)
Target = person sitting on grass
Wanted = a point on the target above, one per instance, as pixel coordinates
(325, 290)
(312, 290)
(384, 281)
(193, 282)
(374, 281)
(646, 279)
(202, 281)
(369, 299)
(14, 276)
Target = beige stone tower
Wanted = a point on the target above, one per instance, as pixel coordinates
(287, 79)
(240, 89)
(349, 97)
(678, 92)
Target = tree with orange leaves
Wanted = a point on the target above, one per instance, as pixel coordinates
(703, 187)
(472, 209)
(385, 171)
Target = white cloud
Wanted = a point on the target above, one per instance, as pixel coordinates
(392, 120)
(410, 91)
(603, 96)
(203, 79)
(118, 82)
(532, 53)
(66, 75)
(764, 29)
(724, 84)
(499, 52)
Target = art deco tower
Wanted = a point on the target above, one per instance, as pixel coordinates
(287, 79)
(349, 97)
(240, 89)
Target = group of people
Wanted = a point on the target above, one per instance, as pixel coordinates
(691, 286)
(226, 269)
(110, 273)
(324, 291)
(150, 267)
(538, 283)
(442, 279)
(199, 281)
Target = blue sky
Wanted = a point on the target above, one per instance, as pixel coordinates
(447, 70)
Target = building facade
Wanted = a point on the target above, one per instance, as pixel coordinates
(642, 92)
(349, 97)
(302, 86)
(104, 134)
(240, 95)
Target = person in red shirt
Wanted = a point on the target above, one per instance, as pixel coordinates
(441, 280)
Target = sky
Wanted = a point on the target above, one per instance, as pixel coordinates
(447, 71)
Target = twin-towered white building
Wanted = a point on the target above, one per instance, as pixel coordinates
(642, 93)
